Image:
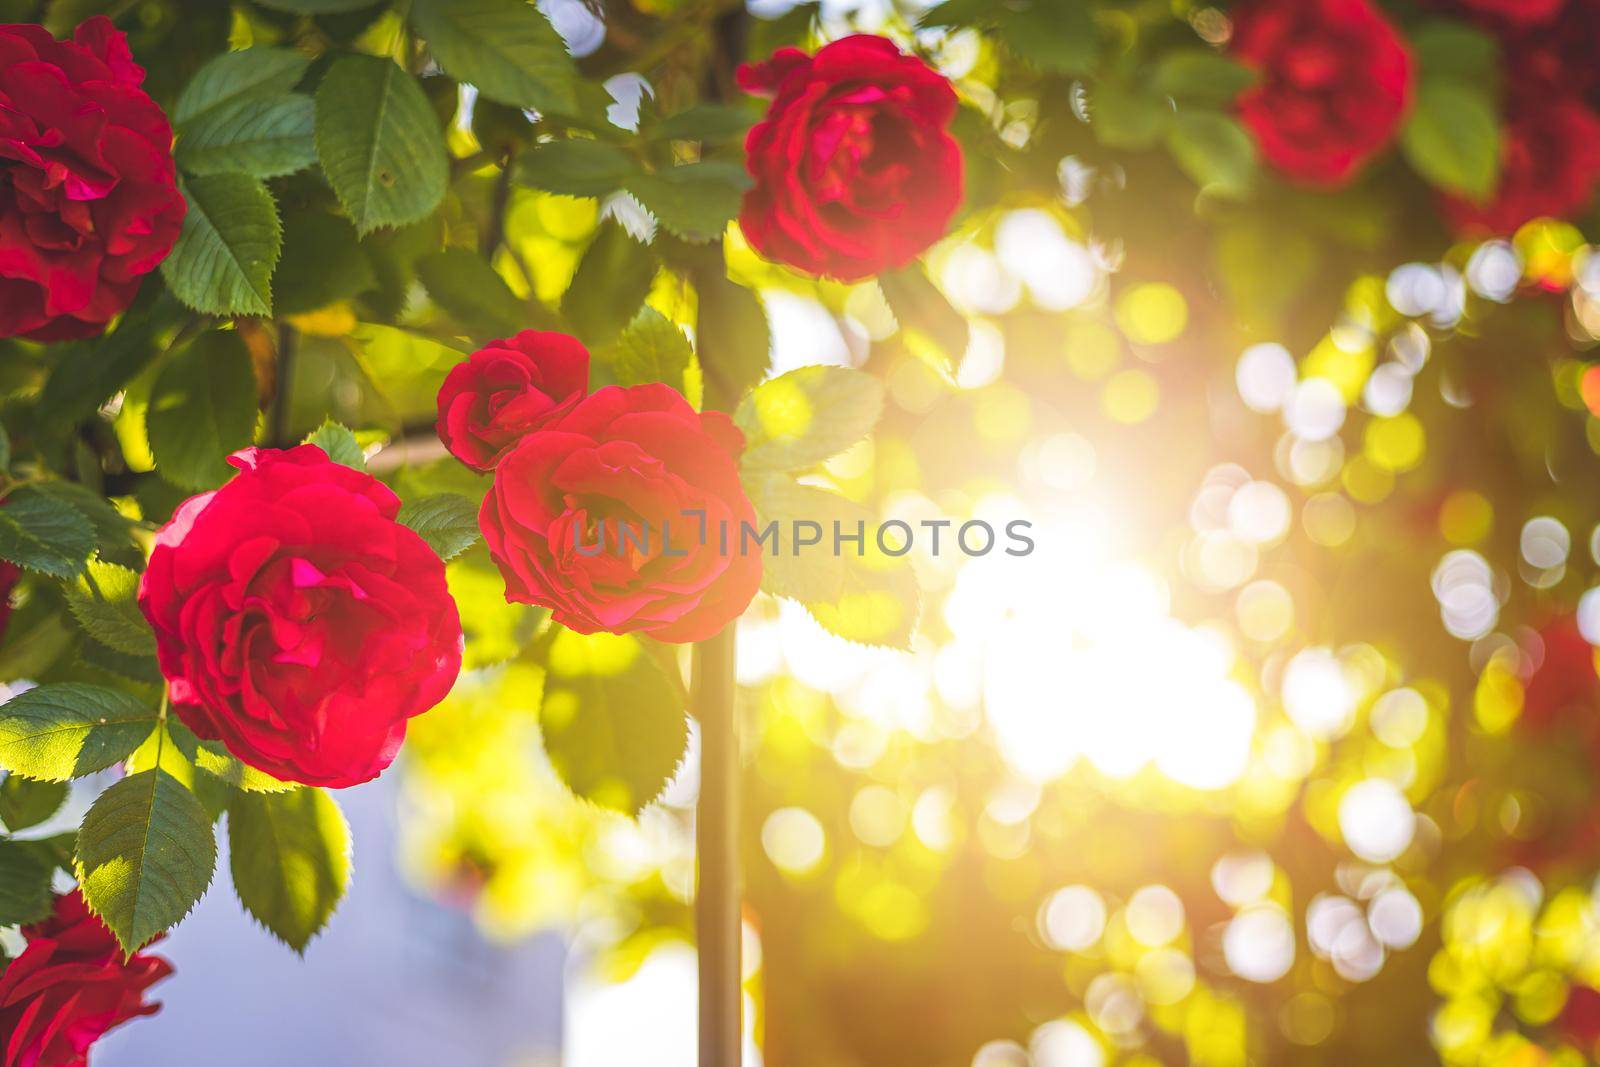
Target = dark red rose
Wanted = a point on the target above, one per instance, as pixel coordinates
(68, 987)
(639, 456)
(89, 202)
(854, 171)
(1549, 165)
(1515, 12)
(296, 621)
(1335, 82)
(505, 390)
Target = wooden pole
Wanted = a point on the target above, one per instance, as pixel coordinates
(717, 898)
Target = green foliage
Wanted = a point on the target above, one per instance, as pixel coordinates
(339, 443)
(229, 245)
(507, 48)
(232, 77)
(25, 803)
(87, 374)
(1201, 75)
(202, 408)
(472, 292)
(145, 855)
(262, 136)
(379, 142)
(44, 533)
(322, 262)
(801, 418)
(1453, 136)
(316, 7)
(290, 857)
(102, 600)
(612, 280)
(574, 167)
(25, 895)
(926, 315)
(1214, 150)
(1057, 36)
(66, 730)
(448, 522)
(708, 123)
(651, 349)
(613, 723)
(696, 201)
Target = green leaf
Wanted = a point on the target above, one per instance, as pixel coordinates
(614, 726)
(611, 282)
(651, 349)
(88, 374)
(1215, 150)
(448, 522)
(801, 418)
(1057, 36)
(576, 167)
(507, 48)
(262, 136)
(472, 292)
(316, 7)
(113, 531)
(25, 803)
(1201, 75)
(322, 262)
(1127, 116)
(66, 730)
(213, 759)
(145, 855)
(203, 409)
(25, 895)
(223, 260)
(1449, 48)
(931, 323)
(811, 574)
(732, 339)
(339, 443)
(1452, 138)
(103, 602)
(379, 142)
(241, 75)
(708, 123)
(695, 201)
(44, 533)
(290, 856)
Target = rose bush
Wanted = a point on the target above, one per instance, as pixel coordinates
(68, 987)
(638, 456)
(855, 172)
(89, 201)
(506, 389)
(1335, 82)
(296, 621)
(1550, 165)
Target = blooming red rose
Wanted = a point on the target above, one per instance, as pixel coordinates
(1335, 81)
(505, 390)
(854, 171)
(296, 621)
(640, 457)
(89, 201)
(68, 987)
(1549, 165)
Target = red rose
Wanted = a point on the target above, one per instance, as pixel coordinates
(505, 390)
(89, 202)
(1518, 12)
(1549, 165)
(1335, 83)
(639, 457)
(854, 172)
(68, 987)
(296, 621)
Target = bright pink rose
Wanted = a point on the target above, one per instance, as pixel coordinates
(507, 389)
(296, 621)
(68, 987)
(1549, 165)
(1335, 83)
(855, 173)
(639, 456)
(89, 202)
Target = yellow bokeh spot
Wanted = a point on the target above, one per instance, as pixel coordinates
(1547, 247)
(1365, 481)
(1346, 368)
(1093, 349)
(1152, 314)
(1002, 414)
(1465, 517)
(1130, 396)
(1396, 443)
(783, 409)
(1497, 701)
